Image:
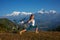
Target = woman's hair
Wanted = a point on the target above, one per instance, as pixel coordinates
(31, 16)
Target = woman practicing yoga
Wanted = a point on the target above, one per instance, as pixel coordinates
(31, 23)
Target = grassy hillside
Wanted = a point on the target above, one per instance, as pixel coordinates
(6, 33)
(31, 36)
(6, 25)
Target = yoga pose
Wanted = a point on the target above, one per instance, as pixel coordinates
(31, 23)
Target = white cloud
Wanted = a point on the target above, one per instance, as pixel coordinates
(16, 13)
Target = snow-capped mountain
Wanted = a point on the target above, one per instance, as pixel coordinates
(20, 15)
(16, 13)
(42, 11)
(49, 19)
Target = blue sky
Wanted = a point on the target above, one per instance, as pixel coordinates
(8, 6)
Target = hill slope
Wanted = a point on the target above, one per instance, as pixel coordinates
(6, 25)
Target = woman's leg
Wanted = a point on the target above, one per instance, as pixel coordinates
(28, 28)
(22, 31)
(37, 30)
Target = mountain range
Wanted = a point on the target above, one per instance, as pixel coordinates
(44, 19)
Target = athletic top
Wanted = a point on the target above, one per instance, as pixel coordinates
(32, 23)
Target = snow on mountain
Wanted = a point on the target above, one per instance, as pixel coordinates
(52, 11)
(43, 17)
(26, 13)
(42, 11)
(16, 13)
(40, 15)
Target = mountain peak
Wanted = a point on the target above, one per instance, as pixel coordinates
(17, 13)
(42, 11)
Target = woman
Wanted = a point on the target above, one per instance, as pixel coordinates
(31, 22)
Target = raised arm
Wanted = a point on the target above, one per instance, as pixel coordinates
(29, 21)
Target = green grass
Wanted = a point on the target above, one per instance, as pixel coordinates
(6, 25)
(31, 36)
